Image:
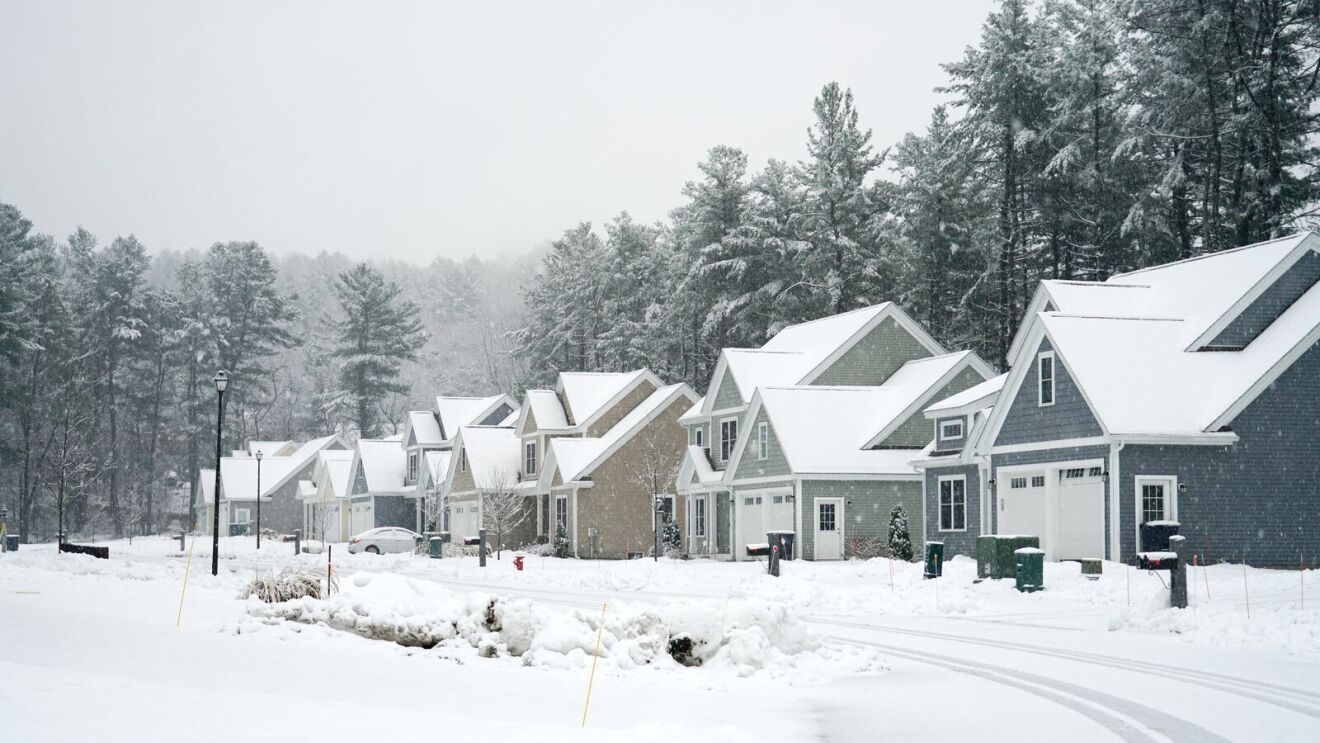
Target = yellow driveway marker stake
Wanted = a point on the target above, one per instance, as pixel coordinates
(592, 678)
(178, 617)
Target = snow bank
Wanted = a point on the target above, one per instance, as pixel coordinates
(748, 636)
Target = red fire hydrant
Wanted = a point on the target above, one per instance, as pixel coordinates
(517, 562)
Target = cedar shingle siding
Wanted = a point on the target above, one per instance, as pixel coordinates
(750, 465)
(1068, 418)
(866, 508)
(618, 506)
(874, 358)
(915, 431)
(955, 542)
(620, 409)
(1268, 306)
(728, 395)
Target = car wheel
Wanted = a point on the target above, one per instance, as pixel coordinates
(373, 549)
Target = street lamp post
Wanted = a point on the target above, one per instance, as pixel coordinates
(221, 381)
(258, 499)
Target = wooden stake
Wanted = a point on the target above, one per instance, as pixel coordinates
(891, 570)
(1128, 574)
(1301, 573)
(594, 657)
(329, 568)
(178, 616)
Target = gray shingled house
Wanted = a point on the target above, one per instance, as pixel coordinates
(1187, 392)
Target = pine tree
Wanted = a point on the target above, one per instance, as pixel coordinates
(375, 334)
(900, 541)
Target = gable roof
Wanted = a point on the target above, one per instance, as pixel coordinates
(800, 353)
(913, 384)
(271, 448)
(437, 465)
(492, 455)
(576, 458)
(544, 406)
(383, 463)
(424, 428)
(238, 475)
(824, 430)
(455, 412)
(1131, 343)
(589, 394)
(969, 400)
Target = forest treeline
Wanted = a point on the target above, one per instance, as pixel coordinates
(1083, 138)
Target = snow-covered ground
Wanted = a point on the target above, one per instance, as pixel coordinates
(839, 651)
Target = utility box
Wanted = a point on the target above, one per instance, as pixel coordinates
(994, 554)
(934, 560)
(1030, 573)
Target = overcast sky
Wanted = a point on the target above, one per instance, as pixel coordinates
(414, 130)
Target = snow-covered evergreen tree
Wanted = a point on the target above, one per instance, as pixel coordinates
(900, 540)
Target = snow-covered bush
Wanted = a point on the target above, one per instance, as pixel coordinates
(286, 585)
(671, 539)
(866, 548)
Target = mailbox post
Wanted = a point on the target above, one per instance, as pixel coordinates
(1178, 576)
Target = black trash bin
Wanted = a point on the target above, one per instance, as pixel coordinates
(785, 541)
(1155, 535)
(11, 542)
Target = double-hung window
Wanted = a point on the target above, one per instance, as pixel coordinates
(763, 440)
(412, 467)
(529, 451)
(953, 503)
(728, 437)
(1045, 374)
(951, 430)
(462, 460)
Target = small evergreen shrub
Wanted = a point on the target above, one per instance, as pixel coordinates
(900, 541)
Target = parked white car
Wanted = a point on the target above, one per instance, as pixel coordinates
(384, 539)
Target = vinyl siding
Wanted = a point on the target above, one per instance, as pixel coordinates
(750, 465)
(1269, 305)
(1256, 501)
(729, 395)
(1068, 418)
(915, 431)
(867, 504)
(955, 543)
(875, 357)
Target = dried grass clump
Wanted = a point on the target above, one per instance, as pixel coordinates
(287, 585)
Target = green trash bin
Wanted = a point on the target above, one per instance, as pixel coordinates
(1030, 569)
(934, 560)
(437, 547)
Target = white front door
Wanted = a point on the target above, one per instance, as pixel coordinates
(1081, 511)
(829, 529)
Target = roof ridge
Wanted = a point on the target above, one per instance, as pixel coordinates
(1080, 316)
(1105, 284)
(1226, 251)
(831, 317)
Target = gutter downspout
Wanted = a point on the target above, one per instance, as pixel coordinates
(1115, 490)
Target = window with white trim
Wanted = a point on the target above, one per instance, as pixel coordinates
(1158, 498)
(462, 460)
(561, 513)
(529, 457)
(665, 505)
(953, 503)
(699, 516)
(242, 516)
(1045, 375)
(762, 440)
(412, 467)
(951, 430)
(699, 436)
(728, 437)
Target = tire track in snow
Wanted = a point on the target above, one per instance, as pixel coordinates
(1303, 702)
(1124, 718)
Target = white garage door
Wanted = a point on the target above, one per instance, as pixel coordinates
(464, 521)
(361, 517)
(1081, 511)
(1022, 505)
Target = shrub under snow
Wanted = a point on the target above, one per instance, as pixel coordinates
(286, 585)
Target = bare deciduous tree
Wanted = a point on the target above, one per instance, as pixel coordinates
(656, 469)
(502, 508)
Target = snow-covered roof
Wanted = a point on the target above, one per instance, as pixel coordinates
(425, 428)
(576, 458)
(756, 367)
(437, 464)
(545, 407)
(704, 473)
(271, 448)
(238, 475)
(455, 412)
(492, 454)
(1135, 354)
(693, 413)
(588, 393)
(975, 396)
(824, 430)
(384, 464)
(821, 337)
(333, 470)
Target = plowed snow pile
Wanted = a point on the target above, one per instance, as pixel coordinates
(742, 636)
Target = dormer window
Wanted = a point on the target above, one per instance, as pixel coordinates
(530, 457)
(1045, 374)
(951, 430)
(412, 467)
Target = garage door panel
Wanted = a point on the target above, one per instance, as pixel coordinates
(1081, 514)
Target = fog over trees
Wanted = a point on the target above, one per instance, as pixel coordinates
(1082, 138)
